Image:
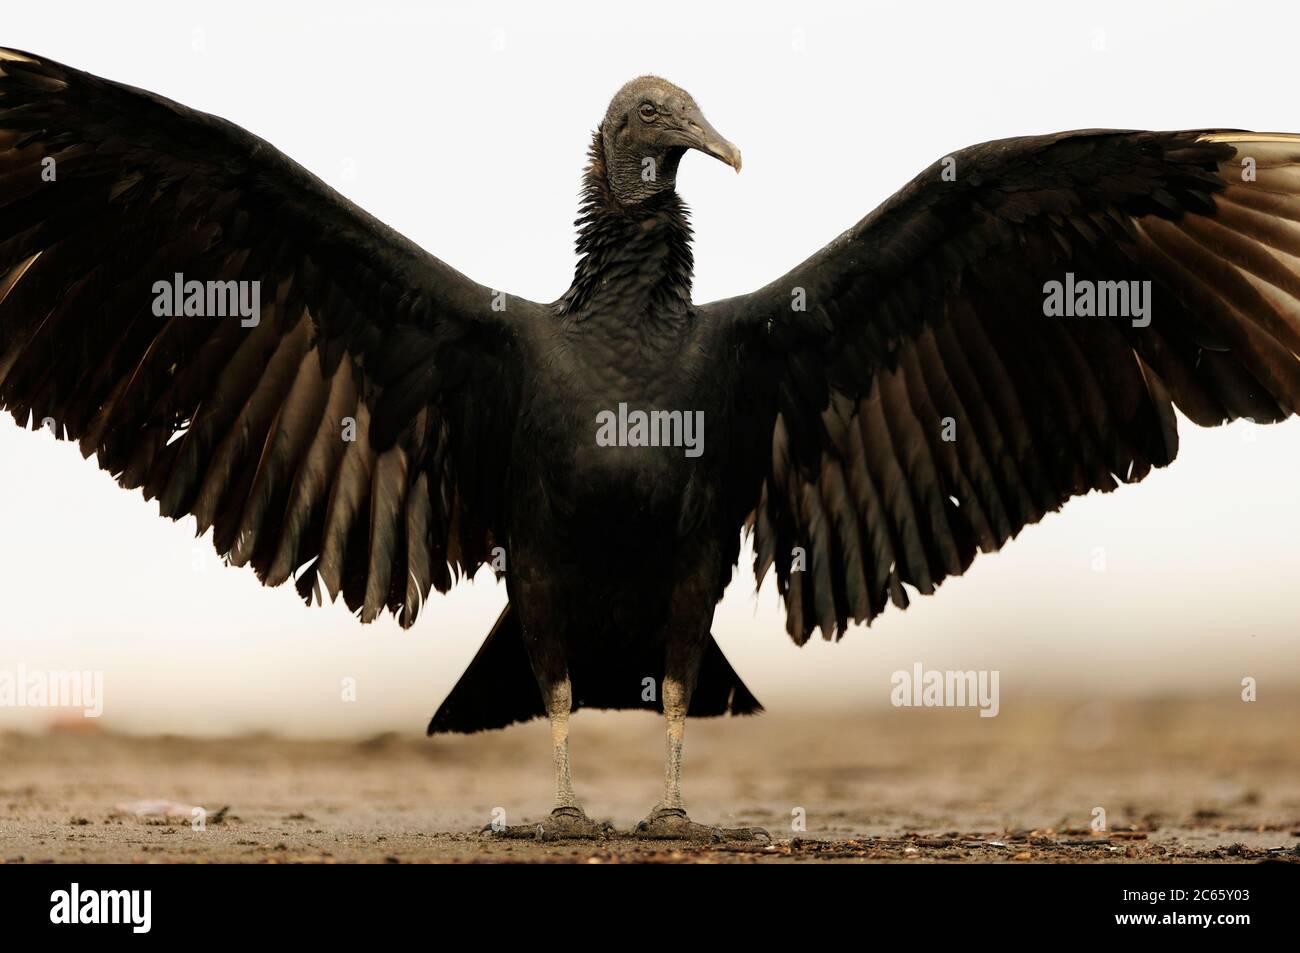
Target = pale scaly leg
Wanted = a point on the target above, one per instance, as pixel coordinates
(668, 819)
(567, 819)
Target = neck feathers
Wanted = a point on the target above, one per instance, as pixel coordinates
(631, 257)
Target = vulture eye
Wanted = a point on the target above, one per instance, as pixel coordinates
(647, 112)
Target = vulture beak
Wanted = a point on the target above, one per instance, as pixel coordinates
(708, 140)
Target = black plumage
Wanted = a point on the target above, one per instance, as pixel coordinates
(877, 416)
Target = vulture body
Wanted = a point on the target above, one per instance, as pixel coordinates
(901, 400)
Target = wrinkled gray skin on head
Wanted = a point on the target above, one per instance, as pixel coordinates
(649, 125)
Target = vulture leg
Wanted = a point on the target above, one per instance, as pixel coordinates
(567, 819)
(668, 819)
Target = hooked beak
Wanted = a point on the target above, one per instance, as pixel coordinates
(706, 139)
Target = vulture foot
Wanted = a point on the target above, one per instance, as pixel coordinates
(564, 823)
(671, 823)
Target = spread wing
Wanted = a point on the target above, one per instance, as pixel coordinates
(353, 429)
(936, 393)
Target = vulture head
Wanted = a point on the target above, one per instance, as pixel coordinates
(647, 129)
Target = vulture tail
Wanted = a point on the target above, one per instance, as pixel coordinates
(499, 689)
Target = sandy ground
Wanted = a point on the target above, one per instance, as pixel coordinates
(1178, 780)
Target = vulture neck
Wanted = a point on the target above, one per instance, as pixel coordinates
(635, 260)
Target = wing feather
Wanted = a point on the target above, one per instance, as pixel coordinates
(926, 407)
(331, 435)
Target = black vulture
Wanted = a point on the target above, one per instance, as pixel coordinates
(1013, 328)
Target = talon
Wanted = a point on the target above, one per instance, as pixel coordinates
(564, 823)
(672, 823)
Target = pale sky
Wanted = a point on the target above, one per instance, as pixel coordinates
(465, 128)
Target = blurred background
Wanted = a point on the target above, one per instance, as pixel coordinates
(465, 127)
